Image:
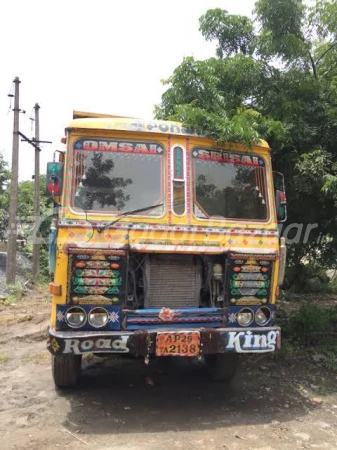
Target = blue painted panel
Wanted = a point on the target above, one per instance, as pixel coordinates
(177, 326)
(177, 310)
(114, 322)
(232, 312)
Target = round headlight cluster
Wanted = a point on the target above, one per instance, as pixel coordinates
(98, 317)
(262, 316)
(246, 316)
(76, 317)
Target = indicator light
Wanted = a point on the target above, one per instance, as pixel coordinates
(55, 288)
(54, 178)
(81, 264)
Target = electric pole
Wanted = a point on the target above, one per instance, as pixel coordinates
(13, 206)
(36, 246)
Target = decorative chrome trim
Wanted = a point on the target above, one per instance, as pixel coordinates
(283, 260)
(103, 309)
(252, 320)
(264, 323)
(76, 307)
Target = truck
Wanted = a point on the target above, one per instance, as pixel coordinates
(165, 243)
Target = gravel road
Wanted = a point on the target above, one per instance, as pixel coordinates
(273, 404)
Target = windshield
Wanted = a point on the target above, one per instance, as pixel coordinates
(117, 176)
(228, 185)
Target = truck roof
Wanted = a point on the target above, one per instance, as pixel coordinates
(97, 121)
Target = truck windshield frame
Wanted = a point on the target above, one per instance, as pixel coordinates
(117, 176)
(229, 186)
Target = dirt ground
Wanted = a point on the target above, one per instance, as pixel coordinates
(273, 404)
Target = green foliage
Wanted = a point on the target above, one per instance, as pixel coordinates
(27, 250)
(302, 278)
(315, 327)
(4, 177)
(276, 80)
(4, 358)
(235, 34)
(309, 319)
(15, 292)
(329, 350)
(44, 271)
(311, 324)
(98, 186)
(281, 24)
(333, 286)
(4, 198)
(26, 198)
(26, 217)
(199, 97)
(26, 206)
(26, 221)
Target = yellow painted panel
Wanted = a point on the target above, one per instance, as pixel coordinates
(169, 233)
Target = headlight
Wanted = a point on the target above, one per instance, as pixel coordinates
(76, 317)
(98, 317)
(262, 316)
(245, 317)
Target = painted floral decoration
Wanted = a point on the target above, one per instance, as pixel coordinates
(167, 314)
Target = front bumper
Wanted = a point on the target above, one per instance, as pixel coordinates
(143, 342)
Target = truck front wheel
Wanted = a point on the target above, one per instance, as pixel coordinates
(66, 369)
(222, 366)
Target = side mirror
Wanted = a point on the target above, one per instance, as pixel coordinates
(54, 179)
(280, 197)
(281, 206)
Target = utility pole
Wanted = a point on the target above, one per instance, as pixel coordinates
(36, 246)
(13, 207)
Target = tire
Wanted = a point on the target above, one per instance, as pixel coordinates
(222, 366)
(66, 370)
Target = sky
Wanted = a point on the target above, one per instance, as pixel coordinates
(102, 56)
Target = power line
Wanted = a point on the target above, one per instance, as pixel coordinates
(10, 95)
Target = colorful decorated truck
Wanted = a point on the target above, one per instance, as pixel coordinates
(165, 243)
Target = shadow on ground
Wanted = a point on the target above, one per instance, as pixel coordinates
(113, 396)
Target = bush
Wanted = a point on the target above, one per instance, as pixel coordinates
(301, 278)
(316, 327)
(15, 292)
(44, 271)
(308, 320)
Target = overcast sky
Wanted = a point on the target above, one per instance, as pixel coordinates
(103, 56)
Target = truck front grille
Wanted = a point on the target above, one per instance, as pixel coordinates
(172, 281)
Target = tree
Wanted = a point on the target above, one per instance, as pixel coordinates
(4, 196)
(274, 78)
(26, 220)
(99, 188)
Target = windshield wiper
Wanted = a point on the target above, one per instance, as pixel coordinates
(100, 228)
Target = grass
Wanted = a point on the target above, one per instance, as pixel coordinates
(39, 358)
(329, 349)
(312, 328)
(10, 300)
(4, 358)
(25, 318)
(15, 292)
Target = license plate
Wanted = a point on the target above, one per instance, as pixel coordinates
(184, 343)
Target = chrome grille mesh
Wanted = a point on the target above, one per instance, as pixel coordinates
(172, 281)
